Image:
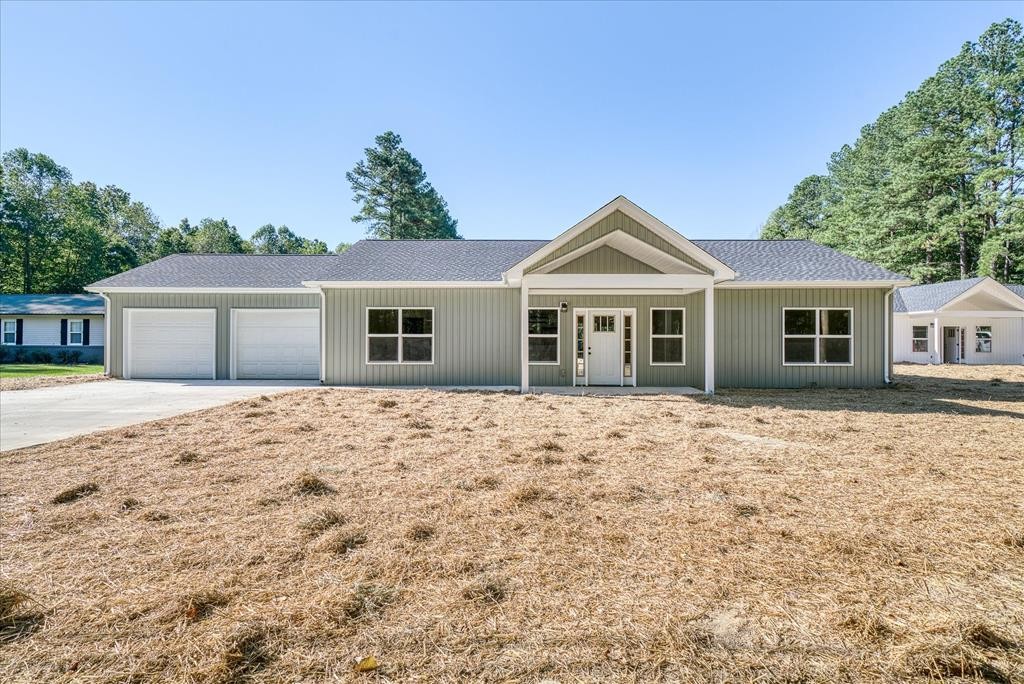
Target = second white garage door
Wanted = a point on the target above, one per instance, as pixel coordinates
(276, 344)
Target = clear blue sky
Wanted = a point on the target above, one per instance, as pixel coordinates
(526, 116)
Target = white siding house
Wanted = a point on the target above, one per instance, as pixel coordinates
(976, 321)
(37, 328)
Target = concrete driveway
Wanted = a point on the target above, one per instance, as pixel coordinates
(47, 414)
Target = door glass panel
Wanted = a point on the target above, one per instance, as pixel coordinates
(580, 355)
(604, 323)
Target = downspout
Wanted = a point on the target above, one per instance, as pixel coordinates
(323, 334)
(106, 334)
(886, 375)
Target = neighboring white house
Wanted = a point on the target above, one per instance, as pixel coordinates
(40, 327)
(974, 321)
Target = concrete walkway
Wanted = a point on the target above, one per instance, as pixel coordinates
(47, 414)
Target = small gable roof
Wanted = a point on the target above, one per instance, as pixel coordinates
(622, 204)
(37, 304)
(935, 296)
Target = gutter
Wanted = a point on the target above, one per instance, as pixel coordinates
(886, 352)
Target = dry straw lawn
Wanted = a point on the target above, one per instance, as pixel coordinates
(334, 535)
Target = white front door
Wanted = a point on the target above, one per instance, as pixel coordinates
(605, 356)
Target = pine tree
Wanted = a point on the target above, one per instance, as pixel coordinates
(397, 201)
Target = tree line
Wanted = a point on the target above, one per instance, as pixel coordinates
(934, 188)
(58, 236)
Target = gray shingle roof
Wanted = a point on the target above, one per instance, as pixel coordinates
(224, 270)
(462, 260)
(801, 260)
(936, 295)
(930, 297)
(51, 304)
(471, 260)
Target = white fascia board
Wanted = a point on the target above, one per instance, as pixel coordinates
(395, 284)
(199, 290)
(810, 284)
(620, 203)
(988, 286)
(598, 281)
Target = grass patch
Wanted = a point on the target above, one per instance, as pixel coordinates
(308, 484)
(32, 370)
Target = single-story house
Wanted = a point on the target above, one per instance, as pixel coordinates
(973, 321)
(52, 326)
(618, 299)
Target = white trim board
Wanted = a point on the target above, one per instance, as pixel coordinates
(630, 246)
(199, 290)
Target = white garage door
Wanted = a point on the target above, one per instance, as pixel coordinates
(170, 343)
(276, 344)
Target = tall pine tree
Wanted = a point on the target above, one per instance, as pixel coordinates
(935, 187)
(397, 202)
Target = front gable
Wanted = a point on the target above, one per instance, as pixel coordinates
(629, 230)
(604, 259)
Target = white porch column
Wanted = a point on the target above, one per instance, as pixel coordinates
(524, 346)
(709, 339)
(938, 341)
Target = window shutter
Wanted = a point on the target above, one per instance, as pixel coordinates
(85, 332)
(63, 331)
(19, 331)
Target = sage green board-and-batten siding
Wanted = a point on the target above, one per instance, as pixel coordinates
(476, 337)
(690, 375)
(222, 302)
(748, 338)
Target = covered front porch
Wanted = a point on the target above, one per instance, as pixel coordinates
(617, 332)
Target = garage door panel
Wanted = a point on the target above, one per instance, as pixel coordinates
(171, 343)
(277, 344)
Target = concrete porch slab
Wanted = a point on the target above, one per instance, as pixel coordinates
(615, 391)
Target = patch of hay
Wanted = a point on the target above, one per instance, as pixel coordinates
(187, 458)
(366, 601)
(308, 484)
(247, 653)
(344, 542)
(421, 531)
(387, 403)
(323, 520)
(75, 493)
(492, 590)
(16, 621)
(200, 605)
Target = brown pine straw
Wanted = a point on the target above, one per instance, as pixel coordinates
(819, 535)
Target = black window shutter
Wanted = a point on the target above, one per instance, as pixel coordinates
(19, 331)
(63, 331)
(85, 332)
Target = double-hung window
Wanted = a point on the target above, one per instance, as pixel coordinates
(668, 337)
(75, 331)
(919, 338)
(10, 332)
(399, 335)
(817, 337)
(542, 336)
(983, 339)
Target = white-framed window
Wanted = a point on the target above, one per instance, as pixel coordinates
(542, 336)
(668, 337)
(10, 332)
(983, 339)
(821, 336)
(919, 338)
(75, 331)
(399, 335)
